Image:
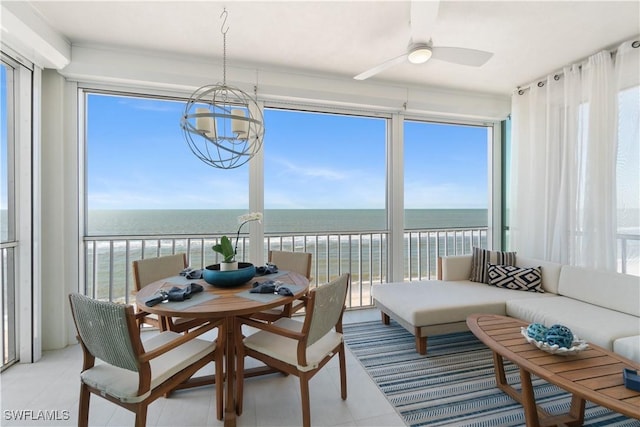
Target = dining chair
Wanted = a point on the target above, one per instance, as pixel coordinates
(299, 348)
(149, 270)
(299, 262)
(132, 373)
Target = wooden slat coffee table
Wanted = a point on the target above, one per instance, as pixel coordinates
(594, 374)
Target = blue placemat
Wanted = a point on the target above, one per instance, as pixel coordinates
(195, 299)
(268, 297)
(179, 280)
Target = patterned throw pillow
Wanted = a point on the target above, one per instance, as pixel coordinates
(480, 259)
(516, 278)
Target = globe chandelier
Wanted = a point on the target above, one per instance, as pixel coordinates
(223, 125)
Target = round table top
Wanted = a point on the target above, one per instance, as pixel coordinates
(217, 302)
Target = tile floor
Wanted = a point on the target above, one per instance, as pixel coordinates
(51, 386)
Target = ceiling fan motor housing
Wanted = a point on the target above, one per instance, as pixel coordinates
(419, 53)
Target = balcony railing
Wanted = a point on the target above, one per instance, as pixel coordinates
(362, 254)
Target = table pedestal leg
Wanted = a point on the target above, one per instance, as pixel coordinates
(230, 360)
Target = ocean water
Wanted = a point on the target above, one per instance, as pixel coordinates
(204, 221)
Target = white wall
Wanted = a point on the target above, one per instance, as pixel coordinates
(182, 75)
(59, 213)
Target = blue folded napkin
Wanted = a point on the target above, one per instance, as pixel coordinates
(266, 269)
(175, 294)
(191, 274)
(271, 287)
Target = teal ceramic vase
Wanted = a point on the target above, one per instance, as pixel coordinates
(229, 278)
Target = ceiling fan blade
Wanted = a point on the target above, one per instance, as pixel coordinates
(461, 55)
(423, 19)
(379, 68)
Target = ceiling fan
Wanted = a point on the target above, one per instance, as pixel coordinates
(421, 49)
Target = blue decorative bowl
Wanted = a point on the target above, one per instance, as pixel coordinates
(229, 278)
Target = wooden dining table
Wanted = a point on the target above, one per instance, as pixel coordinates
(217, 303)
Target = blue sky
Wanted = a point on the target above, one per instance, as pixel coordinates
(138, 159)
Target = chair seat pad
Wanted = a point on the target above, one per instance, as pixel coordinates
(285, 349)
(123, 384)
(274, 311)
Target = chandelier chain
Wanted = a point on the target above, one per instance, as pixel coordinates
(224, 46)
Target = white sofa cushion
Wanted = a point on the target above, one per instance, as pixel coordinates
(436, 302)
(628, 347)
(550, 272)
(607, 289)
(456, 267)
(598, 325)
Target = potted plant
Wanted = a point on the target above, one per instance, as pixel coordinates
(228, 252)
(227, 249)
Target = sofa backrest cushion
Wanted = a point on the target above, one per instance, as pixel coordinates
(550, 272)
(455, 267)
(615, 291)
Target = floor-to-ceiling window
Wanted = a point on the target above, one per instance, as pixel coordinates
(325, 185)
(324, 180)
(7, 216)
(628, 181)
(143, 181)
(446, 191)
(15, 212)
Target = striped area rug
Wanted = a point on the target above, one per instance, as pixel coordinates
(454, 385)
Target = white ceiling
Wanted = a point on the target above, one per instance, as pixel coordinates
(345, 38)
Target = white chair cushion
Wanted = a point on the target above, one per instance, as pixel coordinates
(285, 349)
(123, 384)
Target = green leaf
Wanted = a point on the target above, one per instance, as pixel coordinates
(225, 248)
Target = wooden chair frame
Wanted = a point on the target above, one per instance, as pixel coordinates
(144, 369)
(289, 309)
(301, 337)
(177, 324)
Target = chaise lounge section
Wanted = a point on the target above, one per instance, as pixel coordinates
(598, 306)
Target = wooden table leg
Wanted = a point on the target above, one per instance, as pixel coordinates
(498, 367)
(528, 399)
(576, 411)
(230, 361)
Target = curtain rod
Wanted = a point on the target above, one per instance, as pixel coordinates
(520, 90)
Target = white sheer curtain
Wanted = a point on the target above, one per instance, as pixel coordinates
(564, 155)
(628, 168)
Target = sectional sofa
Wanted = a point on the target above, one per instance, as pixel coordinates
(600, 307)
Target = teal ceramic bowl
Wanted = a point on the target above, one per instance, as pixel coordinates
(230, 278)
